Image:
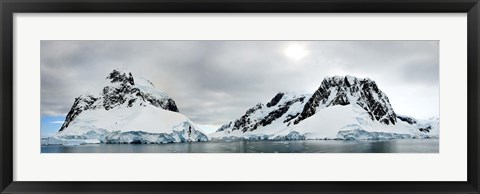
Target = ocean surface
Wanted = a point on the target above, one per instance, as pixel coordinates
(242, 146)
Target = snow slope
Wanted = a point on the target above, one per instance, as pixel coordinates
(347, 122)
(336, 122)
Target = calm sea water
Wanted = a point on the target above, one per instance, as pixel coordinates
(299, 146)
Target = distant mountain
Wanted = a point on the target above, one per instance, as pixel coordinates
(341, 108)
(124, 109)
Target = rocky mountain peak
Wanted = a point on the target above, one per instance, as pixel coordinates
(344, 90)
(120, 91)
(118, 76)
(343, 107)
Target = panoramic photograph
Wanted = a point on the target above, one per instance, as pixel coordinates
(205, 96)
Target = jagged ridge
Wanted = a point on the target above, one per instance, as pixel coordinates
(262, 115)
(333, 91)
(346, 90)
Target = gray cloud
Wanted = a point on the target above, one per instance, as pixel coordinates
(213, 82)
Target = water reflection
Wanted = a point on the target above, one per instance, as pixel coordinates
(304, 146)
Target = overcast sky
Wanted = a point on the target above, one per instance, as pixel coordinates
(213, 82)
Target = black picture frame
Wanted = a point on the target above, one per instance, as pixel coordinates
(9, 7)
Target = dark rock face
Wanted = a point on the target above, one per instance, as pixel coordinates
(224, 127)
(117, 76)
(80, 104)
(319, 97)
(421, 127)
(409, 120)
(167, 104)
(425, 129)
(282, 109)
(116, 95)
(363, 92)
(245, 122)
(275, 100)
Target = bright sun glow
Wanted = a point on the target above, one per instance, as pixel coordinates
(296, 52)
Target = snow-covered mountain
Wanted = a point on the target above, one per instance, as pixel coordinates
(341, 108)
(124, 109)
